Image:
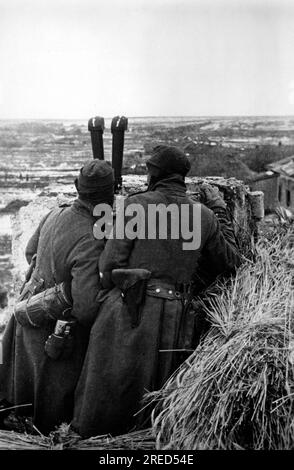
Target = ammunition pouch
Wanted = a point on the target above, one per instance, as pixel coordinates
(60, 344)
(133, 285)
(43, 307)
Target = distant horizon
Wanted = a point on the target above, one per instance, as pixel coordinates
(224, 116)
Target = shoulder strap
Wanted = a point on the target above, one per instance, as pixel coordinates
(52, 261)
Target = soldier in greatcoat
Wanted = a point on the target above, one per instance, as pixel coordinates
(141, 330)
(65, 250)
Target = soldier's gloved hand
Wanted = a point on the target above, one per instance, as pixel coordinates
(212, 197)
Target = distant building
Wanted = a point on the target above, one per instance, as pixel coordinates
(267, 182)
(285, 169)
(277, 184)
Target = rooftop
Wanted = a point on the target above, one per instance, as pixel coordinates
(284, 166)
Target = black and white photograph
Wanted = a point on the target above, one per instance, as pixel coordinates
(147, 229)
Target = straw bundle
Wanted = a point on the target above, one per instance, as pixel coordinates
(10, 440)
(237, 389)
(137, 440)
(64, 438)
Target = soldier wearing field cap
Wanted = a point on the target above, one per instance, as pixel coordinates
(144, 327)
(40, 365)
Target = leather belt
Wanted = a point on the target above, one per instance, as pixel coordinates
(163, 290)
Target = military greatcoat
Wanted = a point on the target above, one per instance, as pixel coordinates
(28, 375)
(124, 361)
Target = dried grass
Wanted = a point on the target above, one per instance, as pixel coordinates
(137, 440)
(237, 389)
(10, 440)
(64, 438)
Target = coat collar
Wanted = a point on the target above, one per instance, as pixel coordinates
(173, 184)
(83, 207)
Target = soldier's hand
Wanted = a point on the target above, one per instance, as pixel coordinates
(211, 197)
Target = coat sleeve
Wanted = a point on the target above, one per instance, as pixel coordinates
(32, 246)
(116, 252)
(225, 225)
(85, 283)
(220, 252)
(114, 256)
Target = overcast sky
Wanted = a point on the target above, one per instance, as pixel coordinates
(78, 58)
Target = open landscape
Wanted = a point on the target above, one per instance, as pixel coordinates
(133, 343)
(41, 157)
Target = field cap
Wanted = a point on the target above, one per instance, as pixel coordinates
(168, 160)
(95, 176)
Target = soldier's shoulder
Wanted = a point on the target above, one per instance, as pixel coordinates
(137, 193)
(206, 213)
(64, 203)
(140, 196)
(57, 212)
